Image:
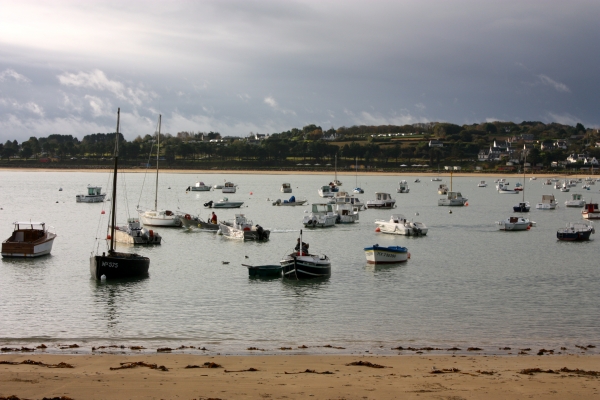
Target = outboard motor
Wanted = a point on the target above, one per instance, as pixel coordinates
(209, 204)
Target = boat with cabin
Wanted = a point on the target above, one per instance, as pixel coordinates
(482, 184)
(94, 195)
(243, 229)
(135, 233)
(591, 211)
(522, 206)
(576, 231)
(502, 189)
(514, 224)
(346, 198)
(399, 225)
(346, 213)
(195, 221)
(199, 187)
(548, 202)
(28, 239)
(229, 187)
(577, 200)
(443, 188)
(321, 216)
(286, 188)
(382, 201)
(402, 187)
(327, 190)
(386, 255)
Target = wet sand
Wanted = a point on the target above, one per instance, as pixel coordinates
(301, 377)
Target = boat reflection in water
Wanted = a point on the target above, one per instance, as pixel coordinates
(113, 295)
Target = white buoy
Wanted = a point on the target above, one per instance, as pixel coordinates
(103, 277)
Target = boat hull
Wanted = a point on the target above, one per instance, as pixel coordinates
(383, 205)
(386, 255)
(119, 265)
(571, 236)
(251, 234)
(81, 198)
(137, 237)
(29, 249)
(319, 221)
(299, 267)
(264, 271)
(201, 188)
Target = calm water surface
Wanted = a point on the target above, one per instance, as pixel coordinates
(466, 283)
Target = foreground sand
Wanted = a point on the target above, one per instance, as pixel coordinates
(283, 377)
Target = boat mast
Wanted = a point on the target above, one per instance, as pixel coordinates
(524, 162)
(157, 154)
(114, 195)
(335, 181)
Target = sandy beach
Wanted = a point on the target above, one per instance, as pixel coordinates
(183, 376)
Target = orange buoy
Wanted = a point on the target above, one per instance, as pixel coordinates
(151, 232)
(108, 237)
(102, 212)
(409, 256)
(251, 193)
(467, 204)
(377, 229)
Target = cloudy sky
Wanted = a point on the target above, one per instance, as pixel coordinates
(266, 66)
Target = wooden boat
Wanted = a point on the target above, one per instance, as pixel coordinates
(29, 239)
(386, 255)
(300, 264)
(115, 264)
(264, 271)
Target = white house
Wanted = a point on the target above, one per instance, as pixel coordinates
(435, 143)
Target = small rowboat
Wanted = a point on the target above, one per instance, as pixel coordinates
(263, 271)
(386, 255)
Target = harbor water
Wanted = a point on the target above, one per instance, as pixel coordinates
(466, 283)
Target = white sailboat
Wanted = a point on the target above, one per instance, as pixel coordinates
(158, 217)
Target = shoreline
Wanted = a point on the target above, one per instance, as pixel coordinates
(423, 376)
(442, 174)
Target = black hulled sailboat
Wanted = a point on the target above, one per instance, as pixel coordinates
(115, 264)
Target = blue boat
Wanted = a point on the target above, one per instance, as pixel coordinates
(386, 255)
(575, 232)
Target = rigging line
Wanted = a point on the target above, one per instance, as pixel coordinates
(145, 175)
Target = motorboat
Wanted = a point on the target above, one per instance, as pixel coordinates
(291, 202)
(436, 179)
(482, 184)
(417, 180)
(327, 191)
(223, 203)
(518, 187)
(94, 195)
(190, 221)
(506, 190)
(345, 198)
(346, 213)
(586, 186)
(514, 224)
(533, 178)
(229, 187)
(336, 182)
(591, 211)
(577, 200)
(453, 199)
(29, 239)
(286, 188)
(386, 255)
(134, 233)
(358, 190)
(500, 185)
(576, 231)
(217, 186)
(300, 264)
(243, 229)
(114, 264)
(548, 202)
(443, 188)
(564, 187)
(399, 225)
(402, 187)
(522, 206)
(382, 201)
(321, 216)
(547, 182)
(199, 187)
(157, 217)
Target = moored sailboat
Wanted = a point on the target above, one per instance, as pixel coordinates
(117, 264)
